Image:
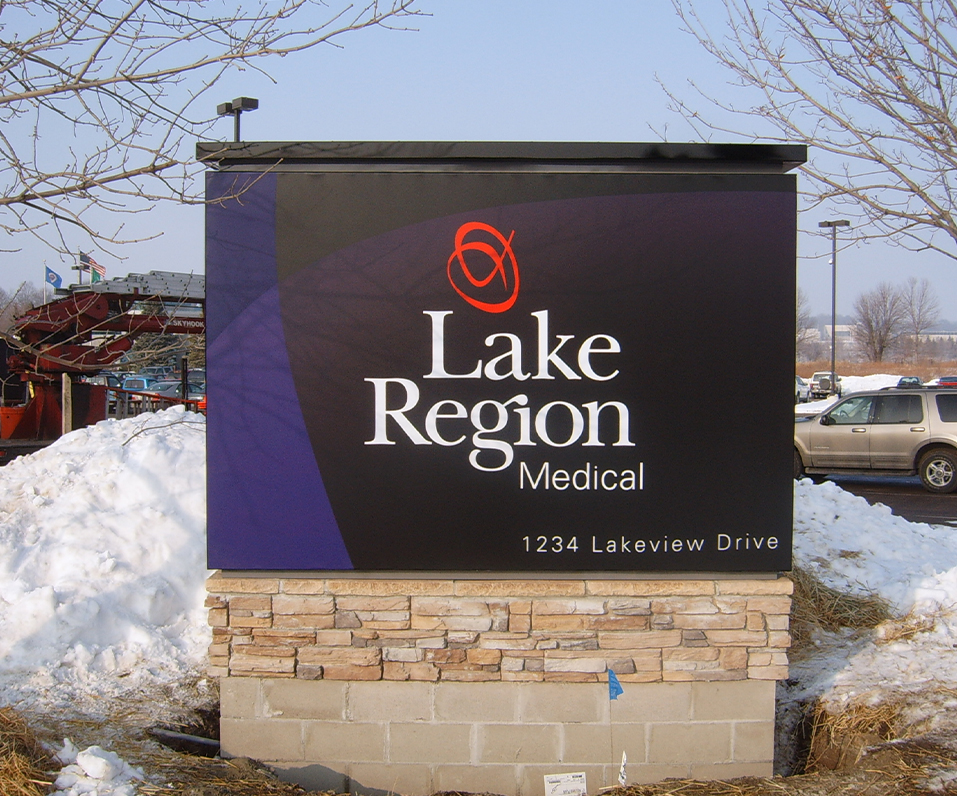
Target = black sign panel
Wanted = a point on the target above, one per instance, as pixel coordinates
(519, 371)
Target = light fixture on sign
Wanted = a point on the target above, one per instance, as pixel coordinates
(235, 109)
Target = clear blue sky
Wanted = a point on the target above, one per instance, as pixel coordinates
(507, 70)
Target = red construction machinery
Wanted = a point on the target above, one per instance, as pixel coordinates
(86, 329)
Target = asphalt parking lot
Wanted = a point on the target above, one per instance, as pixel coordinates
(904, 496)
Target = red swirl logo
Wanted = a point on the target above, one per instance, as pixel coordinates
(485, 292)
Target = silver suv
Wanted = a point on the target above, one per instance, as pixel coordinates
(821, 385)
(883, 432)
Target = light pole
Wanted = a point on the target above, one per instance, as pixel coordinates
(834, 225)
(235, 108)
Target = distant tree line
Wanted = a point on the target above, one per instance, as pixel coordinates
(890, 322)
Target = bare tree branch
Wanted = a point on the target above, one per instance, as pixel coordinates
(99, 102)
(869, 86)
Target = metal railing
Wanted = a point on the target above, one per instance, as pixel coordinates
(129, 403)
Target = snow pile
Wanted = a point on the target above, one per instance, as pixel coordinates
(857, 548)
(876, 381)
(102, 561)
(861, 549)
(94, 772)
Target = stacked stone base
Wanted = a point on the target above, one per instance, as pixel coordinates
(419, 686)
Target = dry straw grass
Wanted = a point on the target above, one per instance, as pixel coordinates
(23, 760)
(882, 721)
(904, 629)
(183, 775)
(840, 739)
(816, 606)
(691, 787)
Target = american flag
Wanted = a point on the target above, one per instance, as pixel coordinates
(87, 263)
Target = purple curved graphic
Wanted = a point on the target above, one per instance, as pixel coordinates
(261, 472)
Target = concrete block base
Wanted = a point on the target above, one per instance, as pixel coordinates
(416, 738)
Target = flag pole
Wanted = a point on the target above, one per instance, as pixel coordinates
(611, 741)
(614, 691)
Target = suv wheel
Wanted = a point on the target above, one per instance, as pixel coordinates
(938, 470)
(798, 466)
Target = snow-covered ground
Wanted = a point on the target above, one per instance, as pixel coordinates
(103, 561)
(102, 555)
(857, 548)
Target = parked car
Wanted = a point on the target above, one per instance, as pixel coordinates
(105, 378)
(947, 381)
(802, 391)
(138, 382)
(896, 432)
(910, 381)
(174, 389)
(821, 386)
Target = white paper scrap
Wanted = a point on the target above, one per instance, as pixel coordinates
(565, 784)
